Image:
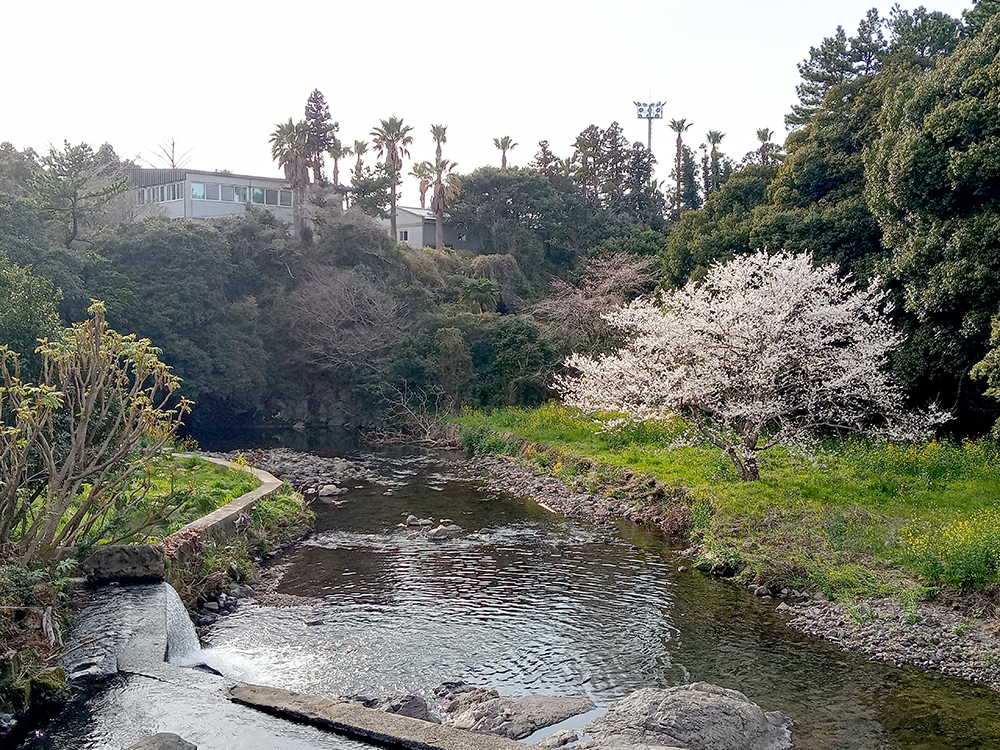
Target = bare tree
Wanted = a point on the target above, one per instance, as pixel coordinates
(343, 320)
(576, 312)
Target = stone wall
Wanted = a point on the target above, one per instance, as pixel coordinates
(141, 561)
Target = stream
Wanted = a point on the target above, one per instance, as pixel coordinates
(523, 601)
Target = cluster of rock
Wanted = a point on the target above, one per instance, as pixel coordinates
(313, 476)
(506, 474)
(480, 709)
(443, 529)
(211, 608)
(699, 716)
(926, 634)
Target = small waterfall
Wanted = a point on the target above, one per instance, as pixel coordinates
(130, 628)
(182, 640)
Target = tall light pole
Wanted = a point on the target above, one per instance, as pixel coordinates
(650, 112)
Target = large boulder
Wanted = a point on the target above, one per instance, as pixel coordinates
(408, 705)
(699, 716)
(520, 717)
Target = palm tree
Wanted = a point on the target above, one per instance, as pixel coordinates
(714, 178)
(338, 151)
(423, 171)
(391, 138)
(481, 293)
(764, 136)
(446, 187)
(438, 134)
(359, 149)
(679, 126)
(505, 144)
(289, 147)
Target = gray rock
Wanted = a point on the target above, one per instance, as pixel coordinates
(162, 741)
(520, 717)
(459, 696)
(560, 739)
(439, 532)
(694, 717)
(8, 723)
(408, 705)
(123, 562)
(412, 520)
(329, 490)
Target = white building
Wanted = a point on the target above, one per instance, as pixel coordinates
(192, 194)
(417, 227)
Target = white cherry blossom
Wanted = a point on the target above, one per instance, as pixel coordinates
(765, 346)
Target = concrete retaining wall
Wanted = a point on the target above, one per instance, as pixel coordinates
(138, 561)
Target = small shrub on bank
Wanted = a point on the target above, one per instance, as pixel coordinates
(214, 567)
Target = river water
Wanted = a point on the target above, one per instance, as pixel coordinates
(528, 602)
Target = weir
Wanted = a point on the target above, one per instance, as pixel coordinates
(129, 628)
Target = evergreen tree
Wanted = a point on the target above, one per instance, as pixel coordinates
(545, 161)
(320, 133)
(828, 64)
(933, 181)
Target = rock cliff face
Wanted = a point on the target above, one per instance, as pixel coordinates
(689, 717)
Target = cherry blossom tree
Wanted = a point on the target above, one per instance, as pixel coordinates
(765, 347)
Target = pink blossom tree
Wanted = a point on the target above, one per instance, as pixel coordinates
(763, 348)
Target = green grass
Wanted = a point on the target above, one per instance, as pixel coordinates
(854, 517)
(170, 493)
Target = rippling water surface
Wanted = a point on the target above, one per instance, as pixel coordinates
(527, 602)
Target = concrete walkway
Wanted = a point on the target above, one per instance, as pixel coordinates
(367, 724)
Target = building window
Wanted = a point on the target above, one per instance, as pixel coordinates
(257, 195)
(198, 190)
(271, 197)
(241, 194)
(404, 235)
(212, 191)
(285, 199)
(228, 194)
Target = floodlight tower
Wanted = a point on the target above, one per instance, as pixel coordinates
(649, 112)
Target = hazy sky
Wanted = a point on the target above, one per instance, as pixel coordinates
(217, 76)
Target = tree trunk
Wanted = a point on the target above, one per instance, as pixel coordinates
(439, 231)
(392, 215)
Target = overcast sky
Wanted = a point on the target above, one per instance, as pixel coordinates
(217, 76)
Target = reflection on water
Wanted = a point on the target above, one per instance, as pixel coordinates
(529, 602)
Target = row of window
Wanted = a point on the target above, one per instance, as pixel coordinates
(214, 191)
(161, 193)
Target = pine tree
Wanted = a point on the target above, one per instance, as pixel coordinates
(320, 132)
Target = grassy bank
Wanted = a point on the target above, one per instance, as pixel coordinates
(215, 567)
(852, 517)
